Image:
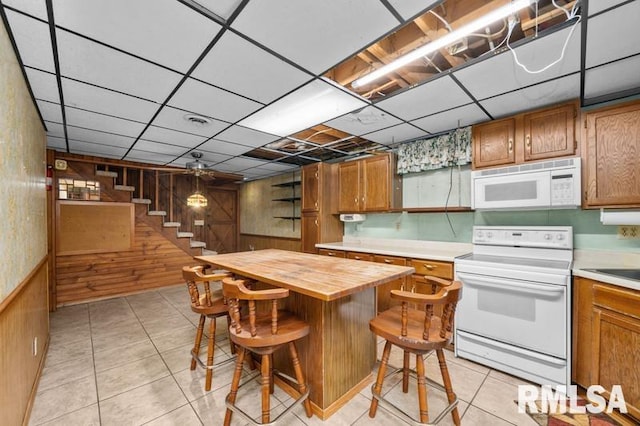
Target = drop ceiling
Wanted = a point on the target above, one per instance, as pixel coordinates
(271, 80)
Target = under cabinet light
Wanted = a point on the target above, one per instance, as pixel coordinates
(446, 40)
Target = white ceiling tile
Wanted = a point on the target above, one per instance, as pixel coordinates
(600, 5)
(93, 63)
(395, 134)
(410, 8)
(300, 29)
(222, 8)
(434, 96)
(312, 104)
(173, 118)
(160, 148)
(238, 164)
(452, 119)
(555, 91)
(245, 136)
(33, 40)
(613, 34)
(56, 143)
(77, 147)
(159, 134)
(50, 111)
(54, 129)
(222, 147)
(148, 157)
(163, 31)
(500, 74)
(104, 123)
(103, 138)
(363, 121)
(207, 100)
(37, 8)
(92, 98)
(43, 85)
(214, 158)
(242, 67)
(600, 81)
(277, 167)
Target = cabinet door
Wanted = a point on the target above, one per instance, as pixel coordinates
(310, 232)
(493, 143)
(383, 292)
(375, 193)
(613, 155)
(549, 133)
(332, 253)
(349, 184)
(367, 257)
(311, 187)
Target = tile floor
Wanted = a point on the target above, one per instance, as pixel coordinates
(125, 361)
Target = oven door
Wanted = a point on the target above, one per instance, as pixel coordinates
(522, 313)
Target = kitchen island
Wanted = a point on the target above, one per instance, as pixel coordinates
(337, 298)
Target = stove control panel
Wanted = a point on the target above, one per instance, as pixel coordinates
(560, 237)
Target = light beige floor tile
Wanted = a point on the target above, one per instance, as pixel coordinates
(465, 381)
(175, 338)
(382, 418)
(183, 416)
(142, 404)
(87, 416)
(347, 415)
(167, 324)
(507, 378)
(498, 398)
(68, 315)
(116, 356)
(55, 402)
(128, 376)
(58, 352)
(211, 408)
(192, 382)
(113, 340)
(115, 325)
(65, 372)
(63, 337)
(476, 417)
(450, 356)
(179, 359)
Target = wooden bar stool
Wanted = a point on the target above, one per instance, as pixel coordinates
(210, 305)
(418, 331)
(263, 334)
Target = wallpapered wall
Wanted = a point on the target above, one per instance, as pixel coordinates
(23, 219)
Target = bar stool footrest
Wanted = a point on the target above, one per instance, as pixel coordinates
(210, 367)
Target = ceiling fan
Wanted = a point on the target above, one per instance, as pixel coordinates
(197, 167)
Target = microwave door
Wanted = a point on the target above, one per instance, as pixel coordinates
(528, 190)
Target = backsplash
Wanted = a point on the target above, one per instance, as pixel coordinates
(588, 232)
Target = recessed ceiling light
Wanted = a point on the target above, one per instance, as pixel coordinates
(197, 120)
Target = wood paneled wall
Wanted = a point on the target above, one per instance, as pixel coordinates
(24, 315)
(259, 242)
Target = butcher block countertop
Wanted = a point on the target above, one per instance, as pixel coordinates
(322, 277)
(414, 249)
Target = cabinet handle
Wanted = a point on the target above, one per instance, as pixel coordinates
(528, 143)
(388, 261)
(362, 200)
(357, 258)
(355, 200)
(429, 267)
(331, 253)
(316, 222)
(316, 175)
(510, 145)
(316, 204)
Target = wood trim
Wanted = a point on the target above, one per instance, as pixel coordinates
(16, 291)
(243, 234)
(595, 343)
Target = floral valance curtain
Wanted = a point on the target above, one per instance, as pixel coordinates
(447, 150)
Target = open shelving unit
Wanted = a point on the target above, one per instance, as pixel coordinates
(292, 199)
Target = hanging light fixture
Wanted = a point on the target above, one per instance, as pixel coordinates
(197, 200)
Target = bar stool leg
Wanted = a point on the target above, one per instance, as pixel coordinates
(446, 380)
(405, 372)
(422, 389)
(235, 382)
(210, 353)
(381, 372)
(196, 346)
(299, 377)
(266, 387)
(231, 344)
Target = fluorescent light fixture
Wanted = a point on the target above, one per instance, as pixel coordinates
(312, 104)
(448, 39)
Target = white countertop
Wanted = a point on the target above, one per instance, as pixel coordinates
(416, 249)
(597, 259)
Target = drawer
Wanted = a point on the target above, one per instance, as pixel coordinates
(334, 253)
(390, 260)
(360, 256)
(433, 268)
(617, 299)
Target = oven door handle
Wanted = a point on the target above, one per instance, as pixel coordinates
(503, 284)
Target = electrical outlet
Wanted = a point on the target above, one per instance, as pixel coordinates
(35, 346)
(628, 232)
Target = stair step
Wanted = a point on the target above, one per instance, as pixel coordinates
(106, 173)
(124, 188)
(206, 252)
(185, 234)
(171, 225)
(156, 213)
(196, 244)
(141, 201)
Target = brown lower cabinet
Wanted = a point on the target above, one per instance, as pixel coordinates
(606, 339)
(416, 282)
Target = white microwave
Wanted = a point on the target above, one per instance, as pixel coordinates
(536, 186)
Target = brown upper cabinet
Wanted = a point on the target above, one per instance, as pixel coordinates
(537, 135)
(612, 174)
(311, 187)
(369, 185)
